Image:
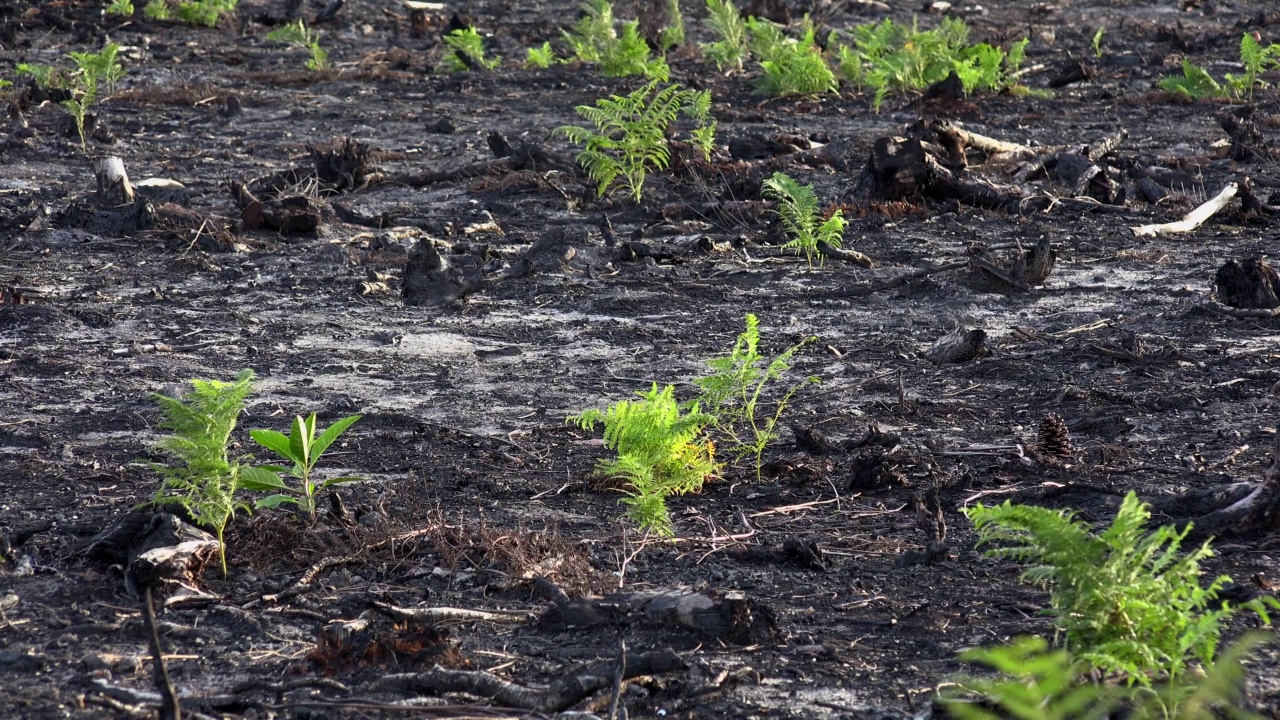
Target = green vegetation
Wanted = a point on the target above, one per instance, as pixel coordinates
(205, 12)
(468, 51)
(540, 57)
(205, 480)
(1197, 84)
(732, 393)
(304, 450)
(1097, 42)
(46, 76)
(1036, 683)
(672, 35)
(595, 39)
(120, 7)
(888, 57)
(157, 10)
(297, 33)
(731, 50)
(630, 136)
(1125, 602)
(661, 451)
(93, 70)
(791, 67)
(797, 205)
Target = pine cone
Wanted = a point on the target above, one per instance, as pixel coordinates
(1055, 439)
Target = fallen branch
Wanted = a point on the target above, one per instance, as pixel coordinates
(559, 696)
(434, 614)
(1193, 219)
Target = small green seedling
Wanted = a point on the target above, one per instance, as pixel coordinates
(157, 10)
(732, 393)
(92, 71)
(791, 67)
(797, 205)
(672, 35)
(730, 51)
(297, 33)
(630, 138)
(46, 76)
(661, 451)
(205, 479)
(1195, 84)
(595, 39)
(304, 450)
(541, 57)
(1097, 42)
(205, 12)
(467, 47)
(120, 7)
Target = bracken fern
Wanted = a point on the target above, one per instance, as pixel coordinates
(630, 138)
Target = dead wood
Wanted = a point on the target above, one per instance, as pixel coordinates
(899, 281)
(1193, 219)
(766, 145)
(117, 221)
(727, 615)
(997, 150)
(291, 215)
(1251, 283)
(159, 551)
(559, 696)
(344, 164)
(1238, 513)
(170, 709)
(852, 256)
(960, 345)
(433, 279)
(113, 182)
(509, 158)
(433, 614)
(1247, 141)
(1253, 206)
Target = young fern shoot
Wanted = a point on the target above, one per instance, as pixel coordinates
(661, 451)
(732, 393)
(205, 479)
(730, 51)
(630, 136)
(797, 205)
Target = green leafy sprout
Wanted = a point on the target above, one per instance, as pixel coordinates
(731, 50)
(541, 57)
(120, 7)
(157, 10)
(1097, 42)
(298, 34)
(1125, 601)
(205, 12)
(595, 39)
(1036, 683)
(732, 393)
(672, 35)
(204, 479)
(791, 67)
(93, 70)
(302, 448)
(1197, 84)
(630, 136)
(661, 451)
(797, 206)
(467, 47)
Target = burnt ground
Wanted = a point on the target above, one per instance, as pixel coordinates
(476, 485)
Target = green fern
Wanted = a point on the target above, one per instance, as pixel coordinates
(1125, 600)
(661, 451)
(540, 57)
(630, 136)
(672, 35)
(1196, 83)
(730, 50)
(732, 393)
(794, 67)
(595, 39)
(467, 45)
(1036, 683)
(797, 205)
(206, 479)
